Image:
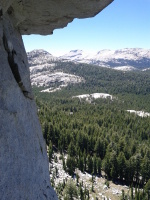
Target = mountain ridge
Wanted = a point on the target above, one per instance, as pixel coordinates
(137, 58)
(127, 59)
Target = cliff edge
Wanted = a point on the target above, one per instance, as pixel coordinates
(24, 173)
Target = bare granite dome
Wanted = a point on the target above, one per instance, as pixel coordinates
(24, 171)
(43, 16)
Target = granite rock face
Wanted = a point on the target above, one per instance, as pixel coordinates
(24, 173)
(43, 16)
(23, 159)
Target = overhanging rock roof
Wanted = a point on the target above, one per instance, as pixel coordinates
(43, 16)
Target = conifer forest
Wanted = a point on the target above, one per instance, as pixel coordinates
(100, 135)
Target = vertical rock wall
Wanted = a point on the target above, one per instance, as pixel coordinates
(24, 173)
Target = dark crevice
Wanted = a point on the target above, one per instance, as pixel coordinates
(41, 150)
(45, 195)
(1, 13)
(10, 10)
(14, 66)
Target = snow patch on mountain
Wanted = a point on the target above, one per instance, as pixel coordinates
(52, 89)
(125, 68)
(147, 69)
(140, 113)
(89, 97)
(77, 56)
(135, 58)
(126, 54)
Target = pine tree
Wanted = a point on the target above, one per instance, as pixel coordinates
(90, 164)
(137, 167)
(121, 165)
(45, 132)
(131, 192)
(64, 163)
(145, 169)
(71, 165)
(122, 196)
(50, 151)
(80, 164)
(95, 165)
(70, 191)
(114, 166)
(71, 149)
(106, 166)
(99, 163)
(147, 189)
(84, 160)
(81, 192)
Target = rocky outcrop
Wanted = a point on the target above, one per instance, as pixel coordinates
(43, 16)
(24, 173)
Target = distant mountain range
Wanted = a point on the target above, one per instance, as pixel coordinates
(122, 59)
(43, 71)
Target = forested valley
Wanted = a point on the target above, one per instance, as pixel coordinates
(101, 135)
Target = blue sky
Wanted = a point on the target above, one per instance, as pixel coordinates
(123, 24)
